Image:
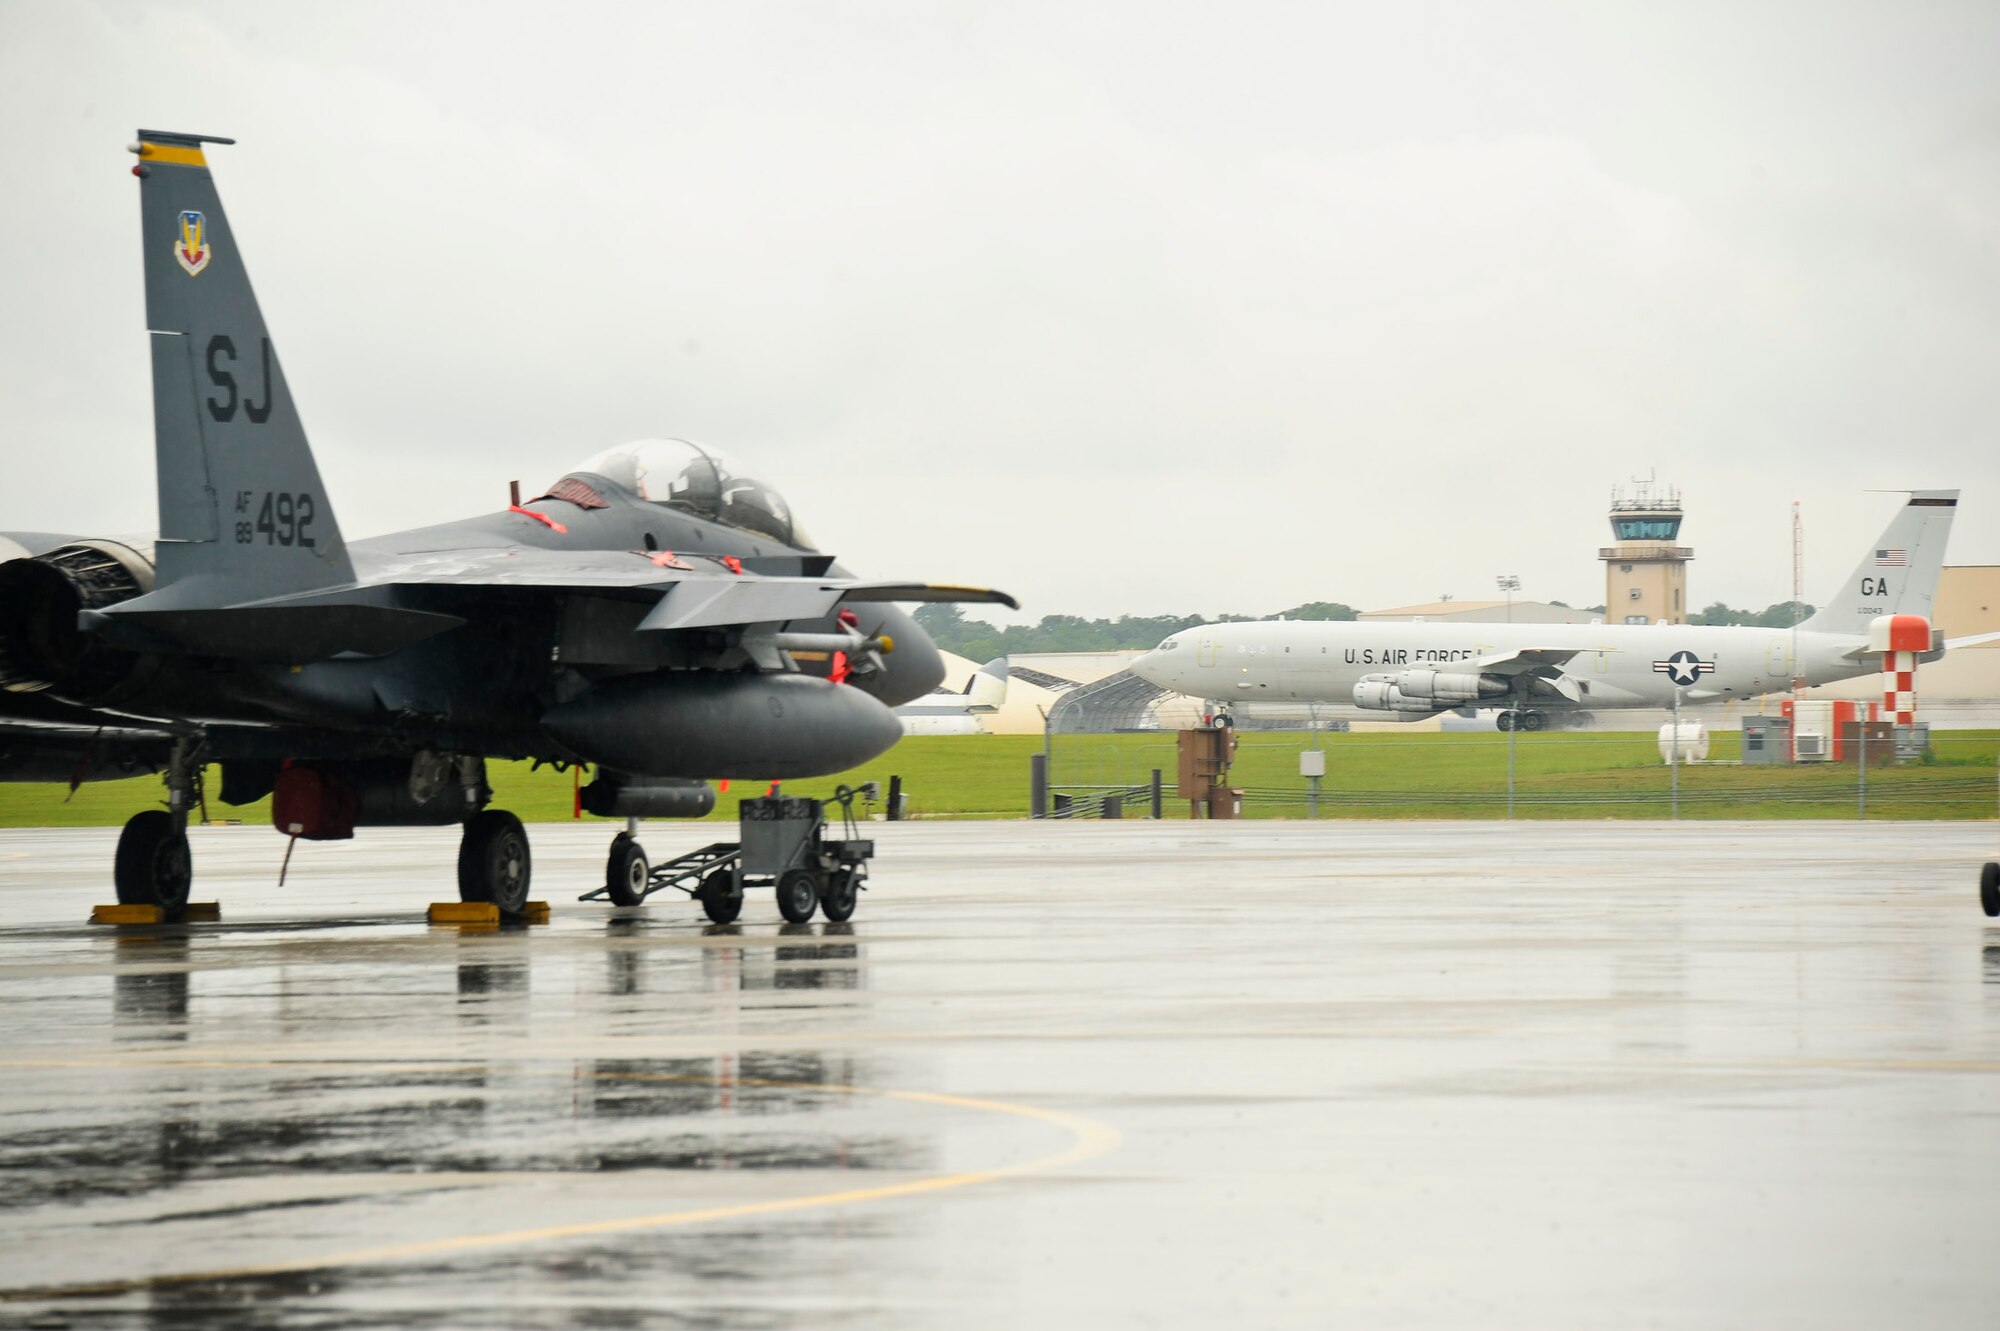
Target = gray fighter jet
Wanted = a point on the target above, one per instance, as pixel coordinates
(658, 615)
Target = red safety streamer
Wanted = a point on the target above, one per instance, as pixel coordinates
(542, 518)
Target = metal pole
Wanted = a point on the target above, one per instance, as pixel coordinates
(1674, 755)
(1312, 796)
(1862, 787)
(1038, 785)
(1512, 731)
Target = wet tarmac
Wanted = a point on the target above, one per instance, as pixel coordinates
(1051, 1075)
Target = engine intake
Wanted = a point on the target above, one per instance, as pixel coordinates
(41, 647)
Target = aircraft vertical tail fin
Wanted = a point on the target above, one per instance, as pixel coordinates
(243, 514)
(1899, 574)
(987, 689)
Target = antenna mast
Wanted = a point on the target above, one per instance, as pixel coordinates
(1798, 562)
(1798, 586)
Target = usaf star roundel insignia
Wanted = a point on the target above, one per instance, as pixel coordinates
(191, 248)
(1684, 668)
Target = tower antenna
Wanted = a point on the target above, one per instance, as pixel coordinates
(1798, 587)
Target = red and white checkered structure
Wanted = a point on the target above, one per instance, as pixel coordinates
(1900, 638)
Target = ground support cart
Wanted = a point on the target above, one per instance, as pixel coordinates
(784, 843)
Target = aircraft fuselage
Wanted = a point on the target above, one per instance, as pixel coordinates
(1614, 665)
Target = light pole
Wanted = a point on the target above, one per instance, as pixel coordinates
(1509, 584)
(1674, 756)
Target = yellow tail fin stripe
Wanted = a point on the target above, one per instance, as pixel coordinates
(173, 154)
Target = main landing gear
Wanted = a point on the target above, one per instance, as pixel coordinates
(1526, 720)
(493, 861)
(1989, 889)
(153, 867)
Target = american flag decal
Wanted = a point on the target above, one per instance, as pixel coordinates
(1892, 559)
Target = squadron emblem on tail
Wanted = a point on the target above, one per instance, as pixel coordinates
(191, 248)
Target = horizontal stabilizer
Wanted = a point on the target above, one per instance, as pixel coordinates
(304, 630)
(1870, 655)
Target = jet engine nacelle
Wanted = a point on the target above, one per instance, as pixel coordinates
(691, 723)
(1425, 690)
(41, 647)
(1379, 695)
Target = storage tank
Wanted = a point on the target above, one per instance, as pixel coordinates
(1693, 741)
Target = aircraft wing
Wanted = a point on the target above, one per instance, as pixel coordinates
(1527, 661)
(1545, 662)
(408, 598)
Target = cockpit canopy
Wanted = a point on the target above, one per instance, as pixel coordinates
(700, 481)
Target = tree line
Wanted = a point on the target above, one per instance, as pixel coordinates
(1780, 616)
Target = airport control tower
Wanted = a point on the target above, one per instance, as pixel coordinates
(1645, 574)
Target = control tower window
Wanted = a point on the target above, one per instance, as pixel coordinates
(1646, 529)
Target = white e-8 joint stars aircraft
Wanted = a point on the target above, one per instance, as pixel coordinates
(1541, 673)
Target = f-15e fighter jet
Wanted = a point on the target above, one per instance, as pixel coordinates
(658, 615)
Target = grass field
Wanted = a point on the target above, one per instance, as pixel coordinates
(1371, 775)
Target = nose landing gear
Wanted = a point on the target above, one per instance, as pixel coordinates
(626, 872)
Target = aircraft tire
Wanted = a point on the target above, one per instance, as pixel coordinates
(626, 871)
(153, 867)
(1532, 721)
(1989, 889)
(493, 861)
(798, 895)
(1504, 721)
(841, 896)
(721, 899)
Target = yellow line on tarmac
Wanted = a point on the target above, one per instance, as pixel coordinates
(1089, 1139)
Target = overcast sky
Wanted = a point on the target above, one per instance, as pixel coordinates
(1127, 308)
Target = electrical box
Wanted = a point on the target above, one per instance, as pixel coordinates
(1767, 740)
(1312, 762)
(1876, 740)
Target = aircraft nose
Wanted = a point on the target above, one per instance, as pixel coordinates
(1152, 668)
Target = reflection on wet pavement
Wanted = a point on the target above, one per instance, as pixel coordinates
(1615, 1074)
